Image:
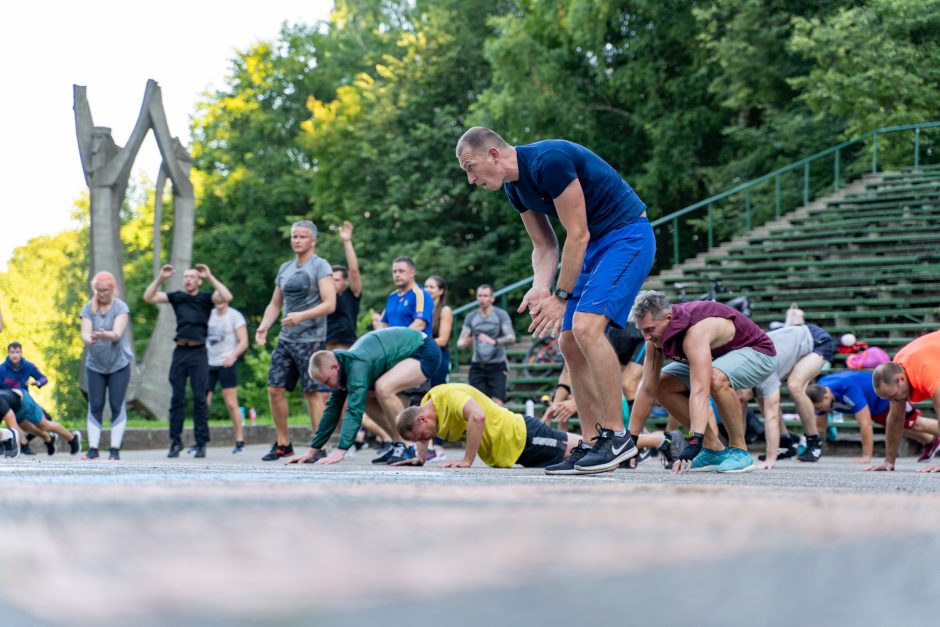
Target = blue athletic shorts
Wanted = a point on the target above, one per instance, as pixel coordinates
(615, 266)
(29, 410)
(429, 354)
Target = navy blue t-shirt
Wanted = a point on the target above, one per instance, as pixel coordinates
(546, 168)
(852, 392)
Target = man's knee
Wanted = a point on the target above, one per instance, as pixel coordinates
(588, 329)
(720, 383)
(569, 346)
(385, 389)
(276, 393)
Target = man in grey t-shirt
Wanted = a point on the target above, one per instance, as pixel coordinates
(304, 289)
(490, 330)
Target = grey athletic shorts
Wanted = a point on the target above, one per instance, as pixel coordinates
(745, 368)
(793, 344)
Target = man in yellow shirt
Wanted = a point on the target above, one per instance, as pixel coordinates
(454, 411)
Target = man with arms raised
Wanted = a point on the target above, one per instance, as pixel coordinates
(369, 377)
(305, 290)
(912, 376)
(190, 357)
(715, 350)
(608, 252)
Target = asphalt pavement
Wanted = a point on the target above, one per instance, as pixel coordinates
(232, 540)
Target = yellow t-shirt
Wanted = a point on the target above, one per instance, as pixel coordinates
(503, 432)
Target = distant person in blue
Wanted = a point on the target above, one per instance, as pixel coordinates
(608, 253)
(16, 372)
(852, 392)
(410, 305)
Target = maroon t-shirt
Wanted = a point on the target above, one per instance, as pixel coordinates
(684, 315)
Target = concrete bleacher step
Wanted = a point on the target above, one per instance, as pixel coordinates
(864, 259)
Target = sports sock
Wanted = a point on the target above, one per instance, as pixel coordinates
(620, 433)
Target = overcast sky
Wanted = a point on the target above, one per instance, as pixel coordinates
(111, 47)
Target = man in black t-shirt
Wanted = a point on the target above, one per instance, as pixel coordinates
(341, 324)
(190, 360)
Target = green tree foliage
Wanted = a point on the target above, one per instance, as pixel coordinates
(357, 118)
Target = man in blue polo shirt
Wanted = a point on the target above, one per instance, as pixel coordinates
(409, 305)
(852, 392)
(608, 252)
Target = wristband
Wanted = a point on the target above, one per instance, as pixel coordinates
(693, 448)
(566, 388)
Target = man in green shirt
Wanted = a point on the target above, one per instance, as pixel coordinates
(369, 377)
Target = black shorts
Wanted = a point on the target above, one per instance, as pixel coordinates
(223, 375)
(429, 355)
(544, 446)
(290, 362)
(628, 343)
(822, 342)
(489, 379)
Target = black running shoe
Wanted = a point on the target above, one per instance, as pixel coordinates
(320, 455)
(608, 452)
(239, 448)
(671, 448)
(114, 455)
(25, 450)
(788, 448)
(50, 445)
(200, 450)
(91, 453)
(401, 453)
(75, 446)
(813, 450)
(566, 467)
(278, 451)
(175, 449)
(384, 457)
(11, 447)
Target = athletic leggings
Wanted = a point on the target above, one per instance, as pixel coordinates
(116, 386)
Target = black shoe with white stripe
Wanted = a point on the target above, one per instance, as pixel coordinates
(566, 467)
(608, 452)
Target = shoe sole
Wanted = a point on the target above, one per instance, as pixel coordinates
(709, 468)
(738, 471)
(611, 465)
(563, 473)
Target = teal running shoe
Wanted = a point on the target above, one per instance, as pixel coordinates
(736, 460)
(708, 460)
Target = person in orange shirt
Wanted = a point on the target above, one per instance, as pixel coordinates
(913, 376)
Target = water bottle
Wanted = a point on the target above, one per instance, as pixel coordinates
(530, 408)
(252, 416)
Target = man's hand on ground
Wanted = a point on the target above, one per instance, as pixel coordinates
(333, 458)
(881, 467)
(459, 463)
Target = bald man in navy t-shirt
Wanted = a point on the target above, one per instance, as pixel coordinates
(608, 253)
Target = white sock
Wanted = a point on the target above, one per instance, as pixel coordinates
(6, 434)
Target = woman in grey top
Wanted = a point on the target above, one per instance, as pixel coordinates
(107, 361)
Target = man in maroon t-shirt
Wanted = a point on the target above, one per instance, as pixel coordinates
(715, 350)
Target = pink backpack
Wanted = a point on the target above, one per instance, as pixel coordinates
(868, 358)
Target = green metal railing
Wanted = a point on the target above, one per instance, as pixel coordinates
(842, 171)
